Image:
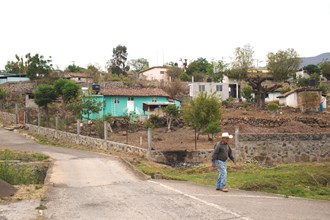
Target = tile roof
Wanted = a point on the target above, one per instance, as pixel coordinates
(301, 89)
(134, 92)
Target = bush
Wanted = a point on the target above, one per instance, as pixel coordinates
(273, 106)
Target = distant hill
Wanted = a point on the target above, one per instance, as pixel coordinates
(314, 60)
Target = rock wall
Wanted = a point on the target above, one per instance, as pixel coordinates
(268, 148)
(7, 118)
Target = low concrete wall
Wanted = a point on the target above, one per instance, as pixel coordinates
(268, 148)
(86, 141)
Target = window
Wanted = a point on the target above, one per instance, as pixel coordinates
(201, 88)
(219, 88)
(130, 98)
(116, 101)
(162, 72)
(154, 99)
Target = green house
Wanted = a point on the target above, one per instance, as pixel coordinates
(138, 101)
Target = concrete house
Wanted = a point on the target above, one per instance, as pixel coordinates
(13, 77)
(141, 102)
(157, 73)
(222, 89)
(306, 99)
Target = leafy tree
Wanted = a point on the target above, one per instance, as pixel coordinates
(325, 69)
(44, 95)
(242, 62)
(18, 66)
(199, 76)
(171, 112)
(201, 65)
(138, 64)
(67, 89)
(247, 93)
(217, 70)
(74, 69)
(283, 63)
(175, 89)
(185, 77)
(38, 66)
(312, 69)
(88, 106)
(212, 128)
(174, 72)
(324, 88)
(199, 112)
(117, 65)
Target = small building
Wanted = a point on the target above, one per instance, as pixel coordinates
(157, 73)
(224, 90)
(12, 77)
(306, 99)
(141, 102)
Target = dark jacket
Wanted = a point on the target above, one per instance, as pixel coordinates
(221, 152)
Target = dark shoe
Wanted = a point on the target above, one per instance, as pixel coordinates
(218, 189)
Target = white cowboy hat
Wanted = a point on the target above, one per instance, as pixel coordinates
(226, 135)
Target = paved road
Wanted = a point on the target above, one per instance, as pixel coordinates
(86, 185)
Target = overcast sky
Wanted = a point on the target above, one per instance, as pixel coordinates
(86, 31)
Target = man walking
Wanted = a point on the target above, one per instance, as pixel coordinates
(219, 157)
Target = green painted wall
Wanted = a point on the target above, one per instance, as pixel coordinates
(117, 105)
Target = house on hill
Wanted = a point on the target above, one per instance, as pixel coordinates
(141, 102)
(157, 73)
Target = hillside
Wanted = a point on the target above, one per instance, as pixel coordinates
(314, 60)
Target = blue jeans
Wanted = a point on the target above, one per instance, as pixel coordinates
(222, 178)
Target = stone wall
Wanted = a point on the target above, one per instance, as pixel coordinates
(268, 148)
(7, 118)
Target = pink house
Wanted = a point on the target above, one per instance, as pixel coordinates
(157, 73)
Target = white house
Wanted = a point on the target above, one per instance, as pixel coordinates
(222, 89)
(303, 98)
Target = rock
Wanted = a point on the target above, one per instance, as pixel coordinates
(6, 189)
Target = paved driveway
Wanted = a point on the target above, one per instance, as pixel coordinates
(85, 185)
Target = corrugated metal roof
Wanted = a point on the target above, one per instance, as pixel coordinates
(134, 92)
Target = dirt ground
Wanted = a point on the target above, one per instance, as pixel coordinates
(184, 138)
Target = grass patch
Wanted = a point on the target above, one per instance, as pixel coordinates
(307, 180)
(19, 168)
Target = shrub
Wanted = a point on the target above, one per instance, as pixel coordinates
(273, 106)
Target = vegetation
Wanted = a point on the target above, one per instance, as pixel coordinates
(16, 173)
(117, 65)
(171, 113)
(199, 112)
(308, 180)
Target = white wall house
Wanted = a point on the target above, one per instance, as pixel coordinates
(222, 89)
(303, 98)
(157, 73)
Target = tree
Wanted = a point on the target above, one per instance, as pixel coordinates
(117, 65)
(283, 63)
(175, 89)
(38, 66)
(171, 112)
(75, 69)
(312, 69)
(44, 94)
(242, 62)
(247, 93)
(18, 66)
(3, 94)
(217, 70)
(212, 128)
(138, 64)
(67, 89)
(199, 112)
(325, 69)
(200, 65)
(88, 106)
(174, 72)
(261, 91)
